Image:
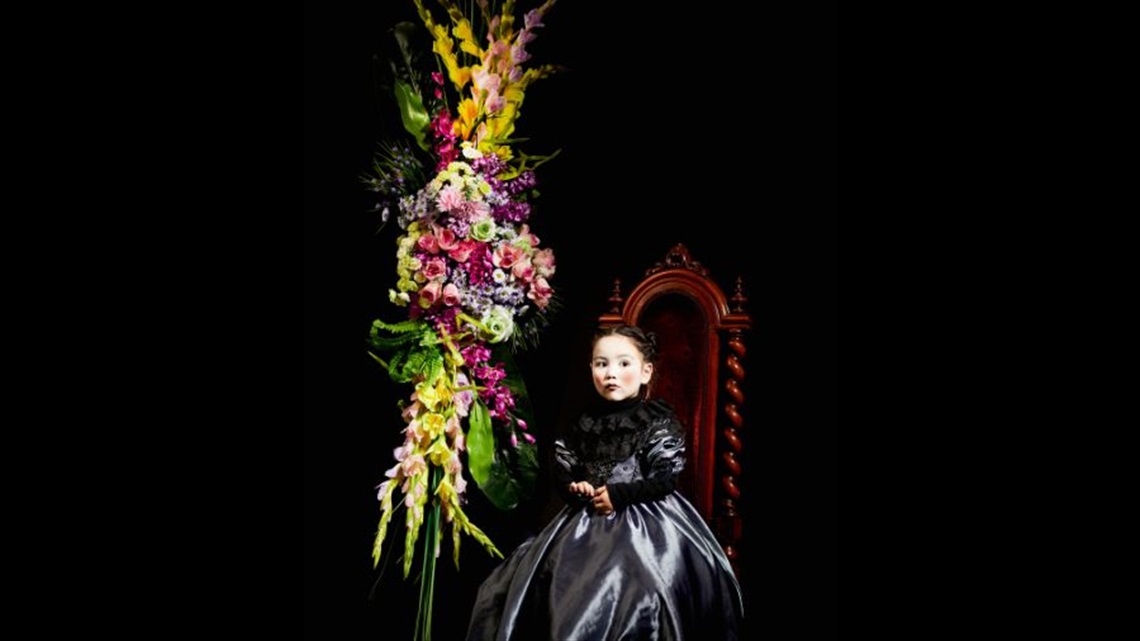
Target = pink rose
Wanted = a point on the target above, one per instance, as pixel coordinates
(506, 255)
(429, 294)
(428, 243)
(544, 262)
(435, 268)
(450, 295)
(540, 292)
(523, 270)
(446, 238)
(463, 251)
(526, 237)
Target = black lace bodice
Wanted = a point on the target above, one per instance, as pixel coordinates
(614, 432)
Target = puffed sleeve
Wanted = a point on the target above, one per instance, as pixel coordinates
(662, 460)
(567, 469)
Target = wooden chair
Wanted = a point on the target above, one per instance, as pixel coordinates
(699, 371)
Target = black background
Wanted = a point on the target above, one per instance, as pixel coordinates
(711, 126)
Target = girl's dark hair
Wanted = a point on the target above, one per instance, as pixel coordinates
(646, 342)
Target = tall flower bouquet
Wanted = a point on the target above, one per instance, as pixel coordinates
(471, 275)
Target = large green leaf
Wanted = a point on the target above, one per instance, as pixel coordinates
(512, 476)
(480, 443)
(413, 113)
(513, 470)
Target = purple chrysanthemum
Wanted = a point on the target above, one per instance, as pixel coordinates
(489, 165)
(525, 181)
(512, 212)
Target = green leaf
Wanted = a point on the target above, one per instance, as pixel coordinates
(527, 468)
(414, 350)
(501, 488)
(402, 327)
(512, 476)
(413, 113)
(480, 442)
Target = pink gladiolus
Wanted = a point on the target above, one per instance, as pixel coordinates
(522, 424)
(532, 19)
(414, 465)
(462, 399)
(529, 438)
(413, 408)
(514, 441)
(496, 50)
(485, 81)
(494, 103)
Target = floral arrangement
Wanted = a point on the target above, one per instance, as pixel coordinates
(471, 274)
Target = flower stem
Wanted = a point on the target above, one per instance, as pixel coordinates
(431, 541)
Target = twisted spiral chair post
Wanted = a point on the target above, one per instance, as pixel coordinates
(729, 525)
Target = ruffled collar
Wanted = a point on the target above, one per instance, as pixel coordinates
(627, 415)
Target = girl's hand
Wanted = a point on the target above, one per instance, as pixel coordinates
(602, 501)
(582, 488)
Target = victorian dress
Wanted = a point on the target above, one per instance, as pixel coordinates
(649, 571)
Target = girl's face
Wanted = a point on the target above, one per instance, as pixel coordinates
(618, 368)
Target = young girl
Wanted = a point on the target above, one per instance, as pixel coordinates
(628, 558)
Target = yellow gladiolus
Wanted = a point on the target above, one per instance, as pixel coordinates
(465, 120)
(439, 453)
(467, 38)
(427, 395)
(433, 425)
